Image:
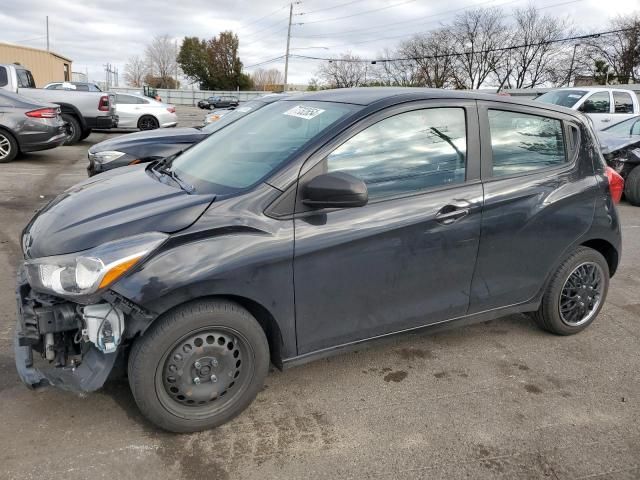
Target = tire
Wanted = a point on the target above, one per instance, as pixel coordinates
(85, 133)
(573, 320)
(74, 127)
(227, 348)
(8, 147)
(148, 122)
(632, 187)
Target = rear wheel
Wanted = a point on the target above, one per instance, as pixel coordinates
(85, 133)
(199, 366)
(576, 293)
(75, 130)
(8, 147)
(632, 187)
(147, 122)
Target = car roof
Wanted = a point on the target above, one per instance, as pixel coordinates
(369, 95)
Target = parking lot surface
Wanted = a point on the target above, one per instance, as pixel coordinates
(501, 399)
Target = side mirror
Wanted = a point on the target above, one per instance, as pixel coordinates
(335, 190)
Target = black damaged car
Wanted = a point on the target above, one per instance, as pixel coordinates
(314, 225)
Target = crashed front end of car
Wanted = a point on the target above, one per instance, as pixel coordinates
(69, 322)
(621, 153)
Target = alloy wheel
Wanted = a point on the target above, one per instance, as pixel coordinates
(581, 294)
(5, 147)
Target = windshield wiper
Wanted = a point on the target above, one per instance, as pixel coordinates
(164, 167)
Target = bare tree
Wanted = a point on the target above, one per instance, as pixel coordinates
(432, 54)
(536, 62)
(620, 50)
(348, 71)
(398, 73)
(478, 35)
(267, 79)
(160, 56)
(134, 71)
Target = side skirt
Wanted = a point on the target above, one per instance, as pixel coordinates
(432, 328)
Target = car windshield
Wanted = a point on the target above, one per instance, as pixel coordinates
(232, 116)
(251, 148)
(630, 126)
(565, 98)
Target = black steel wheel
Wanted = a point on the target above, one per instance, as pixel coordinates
(632, 187)
(576, 293)
(147, 122)
(74, 130)
(8, 147)
(198, 366)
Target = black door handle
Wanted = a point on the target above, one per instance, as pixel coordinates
(451, 213)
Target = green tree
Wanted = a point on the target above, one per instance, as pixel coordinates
(600, 72)
(214, 63)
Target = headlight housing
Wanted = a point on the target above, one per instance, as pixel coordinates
(106, 156)
(86, 272)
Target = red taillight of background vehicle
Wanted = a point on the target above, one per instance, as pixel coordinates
(171, 109)
(103, 104)
(616, 184)
(43, 113)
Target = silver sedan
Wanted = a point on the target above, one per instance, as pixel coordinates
(138, 111)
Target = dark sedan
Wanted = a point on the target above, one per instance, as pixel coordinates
(153, 145)
(219, 101)
(28, 126)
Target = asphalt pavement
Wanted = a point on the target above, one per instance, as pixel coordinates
(501, 399)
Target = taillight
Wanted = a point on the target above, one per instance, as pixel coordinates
(43, 113)
(616, 184)
(171, 109)
(103, 104)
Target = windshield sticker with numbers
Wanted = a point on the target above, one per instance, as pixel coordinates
(301, 111)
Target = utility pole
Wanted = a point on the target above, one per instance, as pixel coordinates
(573, 58)
(286, 55)
(47, 33)
(176, 64)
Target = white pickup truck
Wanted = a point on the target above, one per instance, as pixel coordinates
(82, 110)
(604, 105)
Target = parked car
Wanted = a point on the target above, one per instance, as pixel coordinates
(28, 126)
(83, 111)
(379, 210)
(219, 101)
(621, 149)
(138, 111)
(79, 86)
(603, 105)
(143, 147)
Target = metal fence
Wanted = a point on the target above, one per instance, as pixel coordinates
(191, 97)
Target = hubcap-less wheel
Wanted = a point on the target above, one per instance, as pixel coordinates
(581, 294)
(5, 147)
(204, 372)
(148, 123)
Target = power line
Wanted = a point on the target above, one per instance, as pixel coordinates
(253, 22)
(459, 54)
(271, 60)
(329, 8)
(359, 13)
(427, 31)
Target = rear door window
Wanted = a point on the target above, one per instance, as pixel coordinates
(25, 80)
(4, 78)
(597, 103)
(622, 102)
(523, 143)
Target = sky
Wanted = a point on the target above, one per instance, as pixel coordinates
(94, 33)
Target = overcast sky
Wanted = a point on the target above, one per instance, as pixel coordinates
(93, 33)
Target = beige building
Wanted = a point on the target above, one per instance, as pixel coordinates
(45, 66)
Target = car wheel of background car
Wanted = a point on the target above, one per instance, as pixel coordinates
(198, 366)
(75, 131)
(575, 293)
(147, 122)
(632, 187)
(8, 147)
(85, 134)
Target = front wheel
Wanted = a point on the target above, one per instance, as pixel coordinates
(632, 187)
(576, 293)
(198, 366)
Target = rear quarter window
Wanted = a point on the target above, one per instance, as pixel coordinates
(523, 143)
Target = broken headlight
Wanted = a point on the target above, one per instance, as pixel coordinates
(86, 272)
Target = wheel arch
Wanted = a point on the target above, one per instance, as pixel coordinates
(607, 250)
(72, 110)
(12, 135)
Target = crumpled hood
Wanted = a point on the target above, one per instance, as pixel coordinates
(110, 206)
(610, 143)
(160, 135)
